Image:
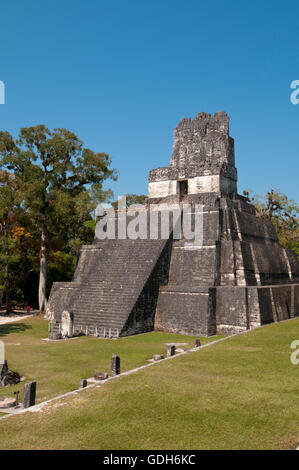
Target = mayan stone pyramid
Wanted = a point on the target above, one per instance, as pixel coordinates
(237, 278)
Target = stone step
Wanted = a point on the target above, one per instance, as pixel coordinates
(109, 279)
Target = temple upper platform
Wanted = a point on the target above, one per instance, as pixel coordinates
(202, 161)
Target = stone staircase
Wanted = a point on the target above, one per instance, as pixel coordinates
(109, 283)
(54, 330)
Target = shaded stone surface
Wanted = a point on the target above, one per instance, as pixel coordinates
(54, 335)
(29, 394)
(3, 370)
(7, 376)
(170, 350)
(83, 383)
(55, 330)
(115, 365)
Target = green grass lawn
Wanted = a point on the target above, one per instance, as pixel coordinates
(59, 366)
(241, 393)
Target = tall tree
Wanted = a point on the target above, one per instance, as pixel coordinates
(9, 208)
(283, 213)
(56, 176)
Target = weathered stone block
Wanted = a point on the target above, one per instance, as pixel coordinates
(83, 383)
(158, 357)
(170, 350)
(67, 324)
(54, 335)
(3, 369)
(115, 365)
(29, 394)
(186, 312)
(101, 376)
(7, 402)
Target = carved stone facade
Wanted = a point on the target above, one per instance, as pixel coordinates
(237, 278)
(203, 155)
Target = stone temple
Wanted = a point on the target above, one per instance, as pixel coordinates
(237, 278)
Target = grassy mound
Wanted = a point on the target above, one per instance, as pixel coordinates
(59, 366)
(241, 393)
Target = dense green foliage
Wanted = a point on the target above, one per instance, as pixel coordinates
(284, 215)
(49, 186)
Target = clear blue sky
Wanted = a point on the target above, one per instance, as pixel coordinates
(122, 74)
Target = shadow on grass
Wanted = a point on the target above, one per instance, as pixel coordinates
(13, 328)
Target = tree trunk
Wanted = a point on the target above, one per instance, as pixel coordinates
(7, 293)
(42, 299)
(7, 283)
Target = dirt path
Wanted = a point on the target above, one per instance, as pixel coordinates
(15, 317)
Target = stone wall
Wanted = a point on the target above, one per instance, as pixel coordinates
(241, 308)
(189, 313)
